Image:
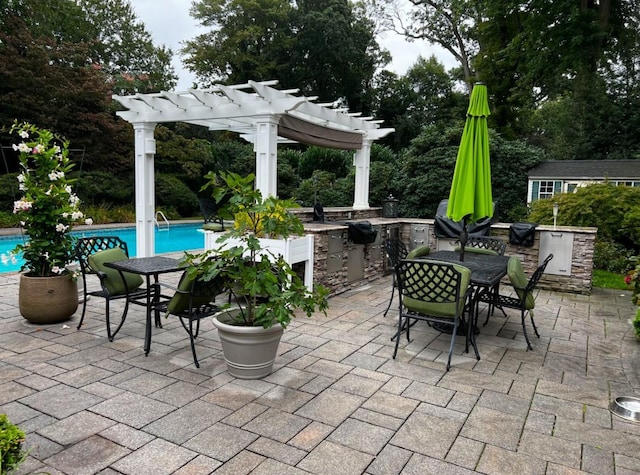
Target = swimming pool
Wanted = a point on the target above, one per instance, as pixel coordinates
(179, 237)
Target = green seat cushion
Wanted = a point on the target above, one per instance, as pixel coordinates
(419, 251)
(216, 227)
(442, 310)
(476, 250)
(113, 282)
(180, 300)
(519, 281)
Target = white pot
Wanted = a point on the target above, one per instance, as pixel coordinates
(248, 351)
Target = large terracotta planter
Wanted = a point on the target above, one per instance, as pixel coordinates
(47, 299)
(248, 351)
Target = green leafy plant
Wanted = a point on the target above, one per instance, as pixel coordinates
(48, 207)
(632, 279)
(268, 289)
(11, 439)
(636, 323)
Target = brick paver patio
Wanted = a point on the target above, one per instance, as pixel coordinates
(337, 403)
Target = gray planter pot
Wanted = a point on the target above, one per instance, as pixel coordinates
(248, 351)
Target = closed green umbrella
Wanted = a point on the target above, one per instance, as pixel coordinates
(470, 197)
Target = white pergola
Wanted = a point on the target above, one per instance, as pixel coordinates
(261, 115)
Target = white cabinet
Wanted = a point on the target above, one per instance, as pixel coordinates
(560, 244)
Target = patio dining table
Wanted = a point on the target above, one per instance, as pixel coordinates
(487, 271)
(148, 267)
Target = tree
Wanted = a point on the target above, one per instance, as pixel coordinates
(426, 171)
(125, 49)
(305, 46)
(450, 24)
(247, 40)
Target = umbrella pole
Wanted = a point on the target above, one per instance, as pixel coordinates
(464, 237)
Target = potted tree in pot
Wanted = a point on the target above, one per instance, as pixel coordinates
(47, 211)
(267, 290)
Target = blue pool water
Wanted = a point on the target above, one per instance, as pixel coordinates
(179, 237)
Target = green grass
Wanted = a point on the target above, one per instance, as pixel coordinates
(609, 280)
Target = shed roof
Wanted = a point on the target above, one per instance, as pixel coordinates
(587, 170)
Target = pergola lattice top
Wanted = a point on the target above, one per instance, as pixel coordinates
(237, 108)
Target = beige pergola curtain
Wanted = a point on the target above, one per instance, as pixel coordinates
(311, 134)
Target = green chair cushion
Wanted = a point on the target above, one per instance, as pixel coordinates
(419, 251)
(476, 250)
(216, 227)
(180, 300)
(113, 282)
(442, 310)
(519, 281)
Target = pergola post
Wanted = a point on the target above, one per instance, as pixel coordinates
(266, 149)
(145, 149)
(362, 162)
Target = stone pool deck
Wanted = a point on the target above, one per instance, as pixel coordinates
(337, 403)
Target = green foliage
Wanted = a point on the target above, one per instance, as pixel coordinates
(269, 288)
(172, 192)
(48, 208)
(612, 209)
(11, 440)
(338, 162)
(323, 187)
(427, 170)
(106, 213)
(610, 256)
(632, 278)
(99, 187)
(608, 280)
(636, 323)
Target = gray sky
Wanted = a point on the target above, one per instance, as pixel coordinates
(169, 23)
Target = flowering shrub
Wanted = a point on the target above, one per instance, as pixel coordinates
(632, 278)
(48, 208)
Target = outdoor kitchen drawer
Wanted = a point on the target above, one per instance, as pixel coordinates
(560, 244)
(334, 251)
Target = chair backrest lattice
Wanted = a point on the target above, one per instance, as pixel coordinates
(396, 250)
(209, 208)
(85, 247)
(496, 245)
(429, 281)
(533, 281)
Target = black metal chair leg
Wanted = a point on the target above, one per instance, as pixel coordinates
(84, 309)
(390, 300)
(524, 330)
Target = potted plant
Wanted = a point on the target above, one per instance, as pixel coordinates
(47, 211)
(11, 452)
(268, 291)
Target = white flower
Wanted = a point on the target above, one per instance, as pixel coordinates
(24, 134)
(22, 147)
(21, 205)
(56, 149)
(57, 270)
(53, 176)
(21, 178)
(88, 221)
(74, 201)
(38, 148)
(22, 187)
(76, 215)
(46, 255)
(61, 227)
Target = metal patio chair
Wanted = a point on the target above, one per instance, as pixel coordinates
(435, 292)
(92, 253)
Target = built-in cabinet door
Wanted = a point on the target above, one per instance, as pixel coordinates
(335, 248)
(560, 244)
(419, 235)
(355, 263)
